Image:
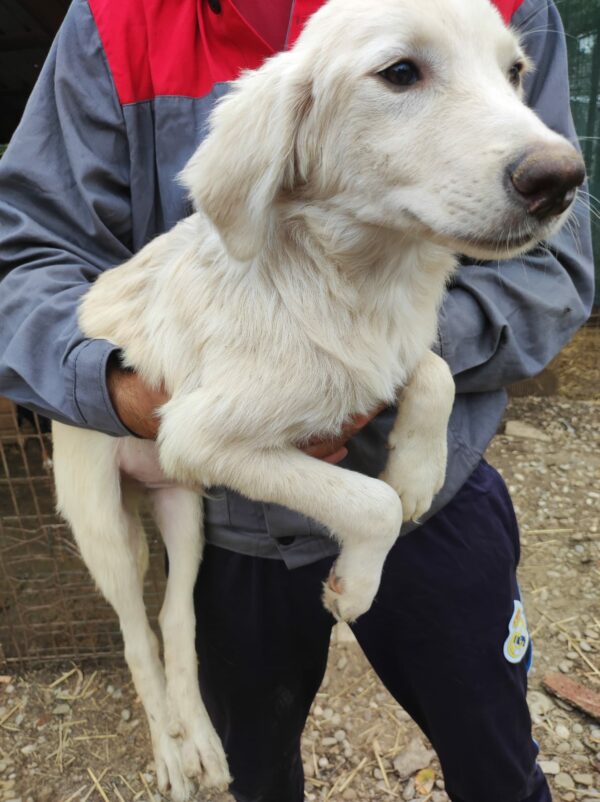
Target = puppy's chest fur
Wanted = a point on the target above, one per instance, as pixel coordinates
(287, 345)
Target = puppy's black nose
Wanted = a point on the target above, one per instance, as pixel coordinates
(546, 179)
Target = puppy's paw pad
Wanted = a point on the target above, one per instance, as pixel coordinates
(335, 584)
(330, 601)
(347, 598)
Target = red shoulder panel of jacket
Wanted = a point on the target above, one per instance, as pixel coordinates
(304, 8)
(179, 48)
(508, 8)
(158, 47)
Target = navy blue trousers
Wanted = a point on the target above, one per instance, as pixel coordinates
(435, 636)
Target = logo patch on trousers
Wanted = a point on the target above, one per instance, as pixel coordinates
(515, 646)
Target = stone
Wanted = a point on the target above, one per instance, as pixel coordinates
(583, 779)
(343, 634)
(577, 746)
(562, 732)
(62, 709)
(539, 703)
(309, 769)
(516, 428)
(564, 782)
(416, 756)
(550, 767)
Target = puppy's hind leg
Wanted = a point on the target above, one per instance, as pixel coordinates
(178, 515)
(89, 497)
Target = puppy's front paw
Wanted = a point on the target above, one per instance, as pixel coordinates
(416, 474)
(348, 598)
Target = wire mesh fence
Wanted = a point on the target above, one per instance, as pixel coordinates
(50, 610)
(582, 24)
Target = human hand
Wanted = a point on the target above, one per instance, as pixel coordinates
(335, 450)
(135, 402)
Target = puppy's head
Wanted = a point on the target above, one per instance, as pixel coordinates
(405, 115)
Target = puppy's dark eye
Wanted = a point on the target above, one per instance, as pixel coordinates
(402, 74)
(515, 72)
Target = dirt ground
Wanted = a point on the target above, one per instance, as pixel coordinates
(71, 734)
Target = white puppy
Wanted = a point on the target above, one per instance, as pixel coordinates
(333, 189)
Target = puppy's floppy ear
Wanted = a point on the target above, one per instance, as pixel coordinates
(248, 155)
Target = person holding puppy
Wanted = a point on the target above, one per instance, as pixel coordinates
(88, 179)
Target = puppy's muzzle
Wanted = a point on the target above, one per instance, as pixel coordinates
(546, 179)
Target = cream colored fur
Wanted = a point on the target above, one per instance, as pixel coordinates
(304, 290)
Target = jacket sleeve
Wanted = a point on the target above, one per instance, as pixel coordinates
(64, 217)
(504, 321)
